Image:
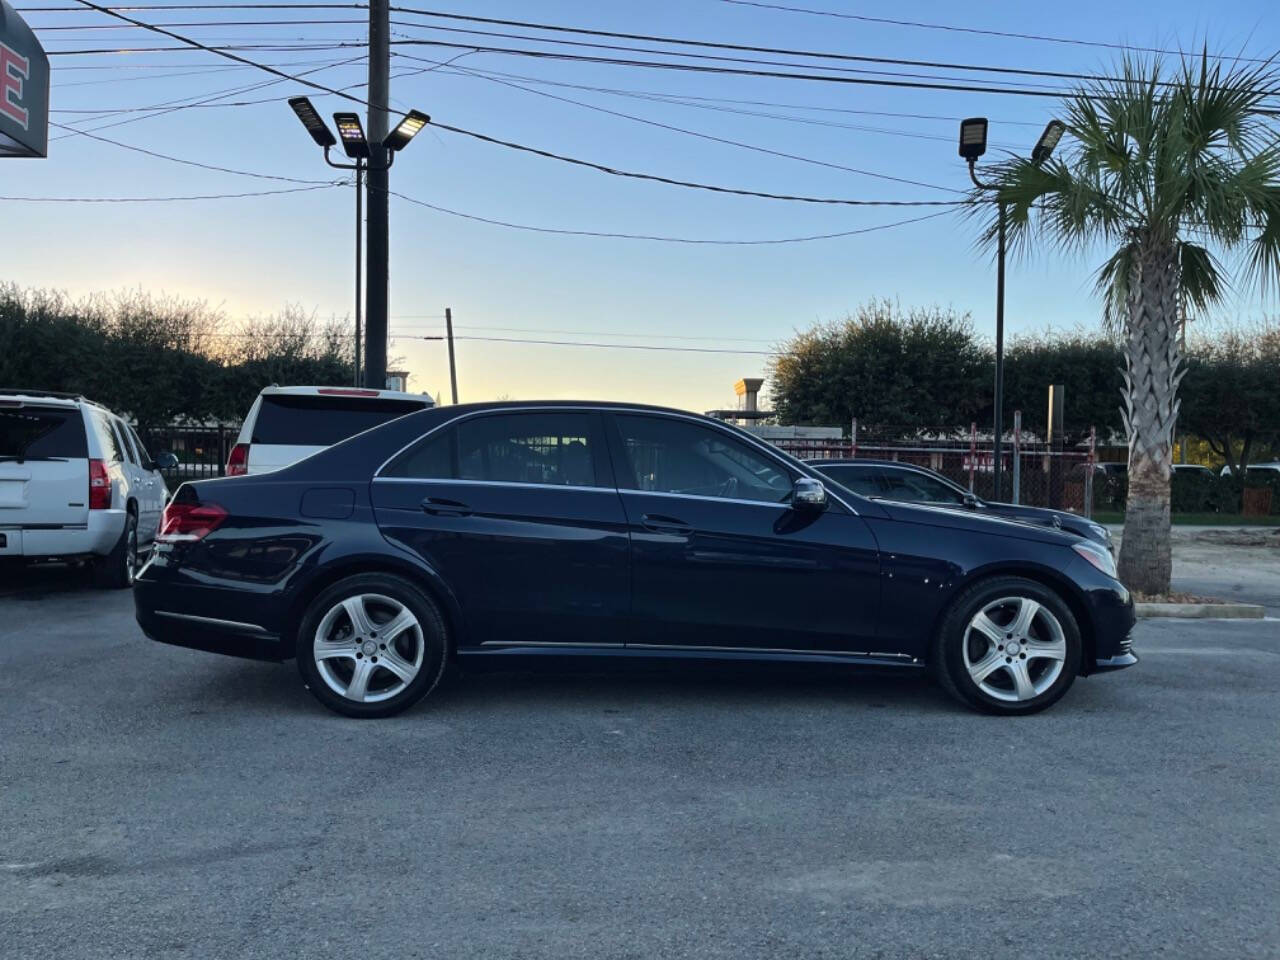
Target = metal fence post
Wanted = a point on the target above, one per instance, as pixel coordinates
(1017, 456)
(973, 452)
(1088, 472)
(853, 440)
(222, 450)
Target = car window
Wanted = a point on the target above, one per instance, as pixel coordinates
(862, 480)
(919, 487)
(34, 432)
(143, 456)
(126, 444)
(310, 420)
(678, 456)
(107, 437)
(546, 448)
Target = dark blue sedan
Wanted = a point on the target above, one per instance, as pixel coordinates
(495, 533)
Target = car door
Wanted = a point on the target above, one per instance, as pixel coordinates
(518, 514)
(135, 477)
(718, 557)
(153, 493)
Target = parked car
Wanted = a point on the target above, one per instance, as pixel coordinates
(1260, 470)
(1192, 470)
(492, 533)
(894, 480)
(76, 483)
(286, 424)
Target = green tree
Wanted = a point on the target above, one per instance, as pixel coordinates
(906, 370)
(1169, 169)
(1089, 366)
(1231, 393)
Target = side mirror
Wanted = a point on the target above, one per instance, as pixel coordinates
(808, 495)
(970, 501)
(165, 461)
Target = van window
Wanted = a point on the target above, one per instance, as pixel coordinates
(316, 421)
(34, 432)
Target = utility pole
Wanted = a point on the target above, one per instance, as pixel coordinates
(378, 253)
(359, 253)
(453, 371)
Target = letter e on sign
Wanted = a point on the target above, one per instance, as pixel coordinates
(13, 73)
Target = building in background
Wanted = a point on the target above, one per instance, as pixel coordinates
(763, 423)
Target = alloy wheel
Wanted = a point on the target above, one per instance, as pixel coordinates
(1014, 649)
(368, 647)
(131, 556)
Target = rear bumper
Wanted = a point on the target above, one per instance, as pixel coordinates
(96, 537)
(165, 614)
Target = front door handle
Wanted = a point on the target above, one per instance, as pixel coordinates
(439, 507)
(669, 525)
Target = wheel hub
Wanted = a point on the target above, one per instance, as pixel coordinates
(1013, 648)
(368, 648)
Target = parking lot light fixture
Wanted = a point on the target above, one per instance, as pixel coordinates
(406, 130)
(352, 134)
(1048, 140)
(973, 138)
(318, 129)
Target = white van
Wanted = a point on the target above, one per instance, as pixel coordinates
(286, 424)
(75, 484)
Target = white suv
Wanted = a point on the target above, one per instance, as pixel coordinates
(286, 424)
(75, 484)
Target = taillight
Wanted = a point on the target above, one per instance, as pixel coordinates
(99, 486)
(238, 462)
(186, 522)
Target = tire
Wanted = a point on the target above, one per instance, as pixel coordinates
(346, 658)
(115, 571)
(1007, 646)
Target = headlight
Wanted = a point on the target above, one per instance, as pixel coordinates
(1096, 555)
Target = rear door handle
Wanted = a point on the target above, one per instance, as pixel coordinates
(439, 507)
(670, 525)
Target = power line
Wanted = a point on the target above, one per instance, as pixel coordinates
(191, 163)
(527, 149)
(600, 345)
(693, 241)
(205, 196)
(975, 30)
(600, 333)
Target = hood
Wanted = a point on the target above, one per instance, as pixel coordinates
(952, 518)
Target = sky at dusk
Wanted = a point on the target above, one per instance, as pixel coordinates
(253, 256)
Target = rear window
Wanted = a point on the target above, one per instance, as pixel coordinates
(315, 421)
(42, 432)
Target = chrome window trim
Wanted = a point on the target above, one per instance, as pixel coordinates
(768, 449)
(539, 644)
(498, 483)
(214, 621)
(698, 496)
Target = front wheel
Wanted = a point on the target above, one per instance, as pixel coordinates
(371, 646)
(1007, 646)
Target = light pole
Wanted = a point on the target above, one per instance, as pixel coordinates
(973, 144)
(356, 147)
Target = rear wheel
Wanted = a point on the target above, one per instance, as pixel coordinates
(116, 569)
(371, 646)
(1007, 646)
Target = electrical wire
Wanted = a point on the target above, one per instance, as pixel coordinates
(598, 345)
(527, 149)
(203, 196)
(693, 241)
(975, 30)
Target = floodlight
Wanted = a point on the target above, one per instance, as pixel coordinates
(406, 130)
(1048, 140)
(973, 138)
(352, 134)
(319, 131)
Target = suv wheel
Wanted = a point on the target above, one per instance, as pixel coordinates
(1007, 646)
(371, 646)
(116, 569)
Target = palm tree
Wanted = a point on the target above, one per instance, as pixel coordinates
(1171, 171)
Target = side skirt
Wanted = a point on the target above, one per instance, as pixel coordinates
(501, 650)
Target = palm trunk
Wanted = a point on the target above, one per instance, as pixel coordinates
(1152, 361)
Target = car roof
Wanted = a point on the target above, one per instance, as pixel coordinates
(48, 398)
(869, 462)
(621, 405)
(345, 391)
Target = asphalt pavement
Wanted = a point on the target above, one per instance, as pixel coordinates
(159, 802)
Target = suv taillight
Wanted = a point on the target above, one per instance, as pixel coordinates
(99, 486)
(186, 522)
(238, 462)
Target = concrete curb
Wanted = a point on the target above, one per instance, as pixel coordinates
(1202, 611)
